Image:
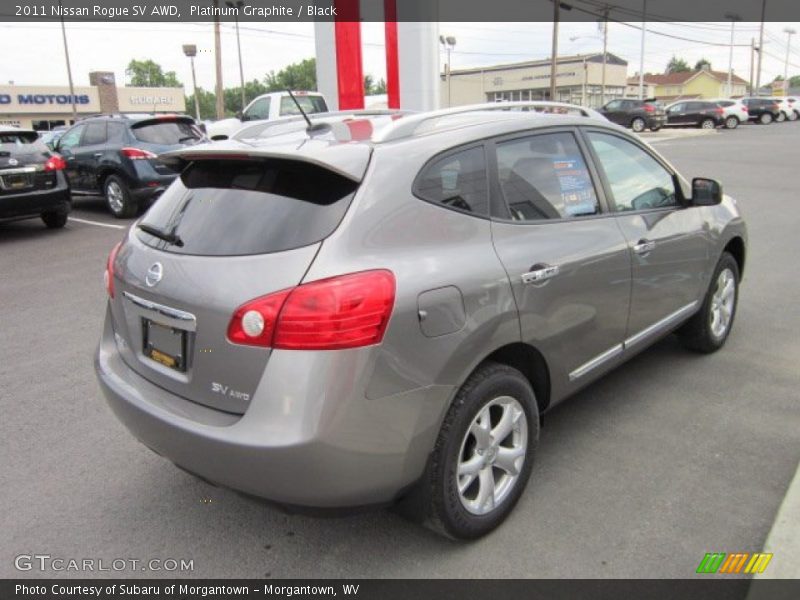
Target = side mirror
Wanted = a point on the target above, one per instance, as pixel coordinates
(240, 115)
(706, 192)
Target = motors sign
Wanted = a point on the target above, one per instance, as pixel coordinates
(45, 99)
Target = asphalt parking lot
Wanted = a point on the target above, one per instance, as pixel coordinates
(671, 456)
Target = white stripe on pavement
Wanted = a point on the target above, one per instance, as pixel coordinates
(98, 223)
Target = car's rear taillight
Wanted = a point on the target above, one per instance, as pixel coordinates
(720, 111)
(55, 163)
(348, 311)
(108, 276)
(744, 108)
(649, 108)
(137, 154)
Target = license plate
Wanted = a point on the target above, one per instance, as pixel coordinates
(17, 181)
(164, 344)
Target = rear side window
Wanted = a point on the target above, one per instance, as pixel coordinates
(95, 134)
(545, 177)
(167, 133)
(116, 133)
(456, 181)
(235, 207)
(310, 104)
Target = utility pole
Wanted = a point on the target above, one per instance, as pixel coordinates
(641, 52)
(605, 56)
(555, 51)
(218, 59)
(733, 18)
(760, 46)
(752, 61)
(238, 4)
(789, 33)
(69, 68)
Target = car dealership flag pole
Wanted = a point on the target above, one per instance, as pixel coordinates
(69, 68)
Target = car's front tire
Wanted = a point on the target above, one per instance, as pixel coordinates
(55, 219)
(638, 125)
(483, 455)
(731, 122)
(118, 198)
(792, 116)
(781, 117)
(708, 329)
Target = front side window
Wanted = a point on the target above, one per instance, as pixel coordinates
(457, 181)
(638, 181)
(258, 111)
(614, 105)
(95, 134)
(545, 177)
(72, 138)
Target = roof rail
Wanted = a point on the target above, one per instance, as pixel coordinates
(258, 128)
(407, 126)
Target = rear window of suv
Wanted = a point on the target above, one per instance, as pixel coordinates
(242, 207)
(167, 133)
(20, 142)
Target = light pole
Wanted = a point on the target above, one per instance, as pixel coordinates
(732, 17)
(449, 43)
(218, 92)
(789, 33)
(605, 58)
(760, 47)
(69, 68)
(190, 50)
(238, 4)
(641, 52)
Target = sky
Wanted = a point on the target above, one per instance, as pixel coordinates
(38, 55)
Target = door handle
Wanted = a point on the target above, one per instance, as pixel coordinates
(644, 247)
(540, 273)
(98, 154)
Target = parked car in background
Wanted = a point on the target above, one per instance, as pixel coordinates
(794, 105)
(50, 138)
(32, 181)
(695, 113)
(636, 114)
(555, 247)
(787, 112)
(117, 156)
(267, 107)
(762, 110)
(735, 112)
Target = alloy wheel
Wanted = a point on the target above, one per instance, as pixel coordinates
(115, 196)
(722, 303)
(491, 455)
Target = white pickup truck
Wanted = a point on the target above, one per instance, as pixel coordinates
(267, 107)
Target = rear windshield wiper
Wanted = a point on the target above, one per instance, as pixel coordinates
(170, 238)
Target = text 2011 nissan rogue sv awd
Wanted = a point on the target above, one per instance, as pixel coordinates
(380, 308)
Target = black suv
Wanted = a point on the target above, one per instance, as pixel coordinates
(763, 110)
(695, 113)
(636, 114)
(32, 182)
(116, 155)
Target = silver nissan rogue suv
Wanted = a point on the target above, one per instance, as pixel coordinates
(380, 307)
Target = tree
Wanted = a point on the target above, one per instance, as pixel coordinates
(371, 88)
(233, 96)
(794, 81)
(208, 104)
(698, 66)
(297, 76)
(677, 65)
(148, 73)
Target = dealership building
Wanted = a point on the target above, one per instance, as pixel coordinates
(44, 107)
(579, 80)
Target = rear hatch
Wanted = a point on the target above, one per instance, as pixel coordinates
(226, 232)
(654, 108)
(22, 163)
(164, 133)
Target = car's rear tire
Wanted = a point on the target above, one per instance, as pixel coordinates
(55, 219)
(765, 118)
(731, 122)
(638, 125)
(483, 455)
(708, 124)
(792, 116)
(118, 198)
(708, 329)
(656, 128)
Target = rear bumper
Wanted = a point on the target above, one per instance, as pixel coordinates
(656, 121)
(313, 441)
(34, 203)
